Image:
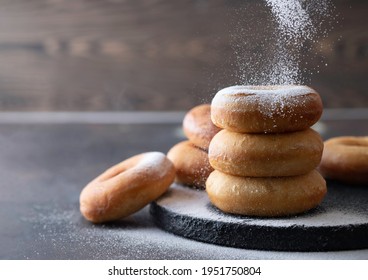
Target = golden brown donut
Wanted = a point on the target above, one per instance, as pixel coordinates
(271, 109)
(346, 159)
(191, 164)
(266, 197)
(126, 187)
(198, 127)
(266, 155)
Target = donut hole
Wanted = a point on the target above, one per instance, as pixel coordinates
(113, 172)
(117, 173)
(355, 143)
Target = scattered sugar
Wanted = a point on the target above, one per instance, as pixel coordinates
(63, 234)
(131, 237)
(186, 201)
(60, 232)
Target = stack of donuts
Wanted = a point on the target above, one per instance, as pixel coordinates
(190, 157)
(265, 157)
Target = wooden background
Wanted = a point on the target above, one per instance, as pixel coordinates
(120, 55)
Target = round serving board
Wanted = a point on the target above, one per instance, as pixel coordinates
(339, 223)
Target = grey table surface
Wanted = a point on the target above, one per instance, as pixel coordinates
(44, 166)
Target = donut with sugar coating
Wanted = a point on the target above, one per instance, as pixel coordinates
(126, 187)
(266, 155)
(266, 197)
(266, 109)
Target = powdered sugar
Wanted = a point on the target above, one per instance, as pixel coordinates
(265, 91)
(277, 57)
(63, 234)
(269, 100)
(190, 202)
(293, 19)
(151, 159)
(60, 232)
(155, 161)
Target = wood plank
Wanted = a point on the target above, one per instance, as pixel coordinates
(155, 55)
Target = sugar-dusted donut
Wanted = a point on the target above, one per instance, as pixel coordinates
(271, 109)
(191, 164)
(266, 155)
(126, 187)
(346, 159)
(265, 197)
(198, 127)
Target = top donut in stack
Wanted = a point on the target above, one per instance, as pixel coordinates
(190, 157)
(265, 156)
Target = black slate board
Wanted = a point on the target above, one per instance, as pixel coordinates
(339, 223)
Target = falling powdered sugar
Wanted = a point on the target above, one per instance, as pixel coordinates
(292, 18)
(286, 41)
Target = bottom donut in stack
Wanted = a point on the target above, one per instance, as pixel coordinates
(265, 196)
(190, 157)
(266, 155)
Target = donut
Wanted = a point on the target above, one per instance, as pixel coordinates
(191, 164)
(198, 127)
(266, 109)
(265, 197)
(266, 155)
(346, 159)
(126, 187)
